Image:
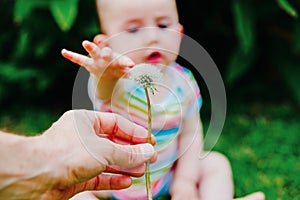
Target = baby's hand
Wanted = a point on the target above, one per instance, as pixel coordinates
(102, 62)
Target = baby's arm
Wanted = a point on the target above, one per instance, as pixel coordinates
(187, 168)
(106, 66)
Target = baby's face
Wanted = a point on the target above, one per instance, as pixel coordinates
(146, 31)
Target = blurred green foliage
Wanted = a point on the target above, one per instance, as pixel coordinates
(281, 41)
(32, 70)
(251, 41)
(31, 122)
(247, 40)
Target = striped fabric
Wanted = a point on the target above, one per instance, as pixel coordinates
(177, 97)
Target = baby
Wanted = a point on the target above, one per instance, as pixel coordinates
(139, 31)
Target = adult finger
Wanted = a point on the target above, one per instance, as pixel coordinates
(117, 127)
(103, 182)
(136, 171)
(129, 156)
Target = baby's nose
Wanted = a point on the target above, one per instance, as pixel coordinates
(152, 36)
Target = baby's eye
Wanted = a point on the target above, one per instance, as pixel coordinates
(132, 30)
(163, 25)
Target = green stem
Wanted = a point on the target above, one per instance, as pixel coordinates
(147, 173)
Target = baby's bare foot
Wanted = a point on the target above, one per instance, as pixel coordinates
(253, 196)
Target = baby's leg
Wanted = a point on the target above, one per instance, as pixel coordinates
(215, 177)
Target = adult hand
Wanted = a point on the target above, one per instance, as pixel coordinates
(71, 155)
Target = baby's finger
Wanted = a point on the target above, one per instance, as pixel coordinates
(100, 40)
(123, 60)
(92, 49)
(107, 54)
(119, 72)
(77, 58)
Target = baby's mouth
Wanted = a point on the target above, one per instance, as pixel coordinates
(154, 57)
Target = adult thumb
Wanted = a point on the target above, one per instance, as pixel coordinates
(129, 156)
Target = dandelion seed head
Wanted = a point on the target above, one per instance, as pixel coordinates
(146, 75)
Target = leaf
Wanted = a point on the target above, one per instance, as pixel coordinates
(244, 24)
(23, 8)
(11, 73)
(64, 12)
(43, 47)
(22, 44)
(287, 7)
(238, 65)
(25, 76)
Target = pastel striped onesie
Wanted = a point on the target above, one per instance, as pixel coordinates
(178, 98)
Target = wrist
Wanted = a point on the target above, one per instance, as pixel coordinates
(51, 157)
(22, 168)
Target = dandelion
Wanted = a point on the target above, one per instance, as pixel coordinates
(147, 75)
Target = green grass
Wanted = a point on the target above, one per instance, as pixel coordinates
(260, 140)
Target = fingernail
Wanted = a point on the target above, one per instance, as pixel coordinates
(147, 150)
